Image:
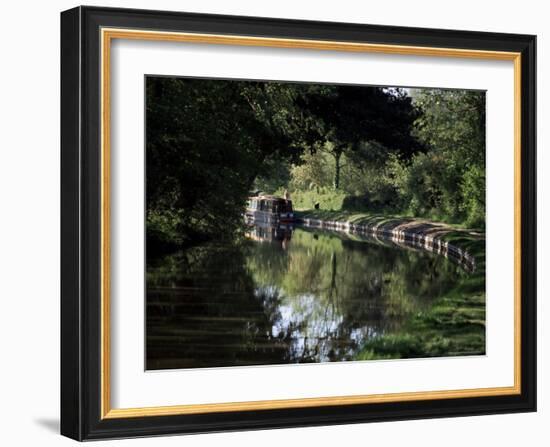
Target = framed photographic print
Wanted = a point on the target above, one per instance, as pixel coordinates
(276, 223)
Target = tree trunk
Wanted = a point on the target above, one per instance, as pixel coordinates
(337, 155)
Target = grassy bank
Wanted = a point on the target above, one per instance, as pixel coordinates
(455, 233)
(328, 198)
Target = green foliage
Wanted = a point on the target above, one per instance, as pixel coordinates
(452, 122)
(450, 179)
(473, 194)
(427, 186)
(211, 142)
(445, 181)
(275, 176)
(363, 185)
(162, 235)
(349, 118)
(314, 171)
(207, 141)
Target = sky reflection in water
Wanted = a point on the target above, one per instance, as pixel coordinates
(285, 296)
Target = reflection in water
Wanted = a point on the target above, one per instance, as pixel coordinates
(284, 296)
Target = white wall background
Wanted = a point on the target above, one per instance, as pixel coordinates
(29, 219)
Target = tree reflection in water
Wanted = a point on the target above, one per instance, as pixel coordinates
(284, 296)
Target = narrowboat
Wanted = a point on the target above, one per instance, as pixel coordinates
(269, 209)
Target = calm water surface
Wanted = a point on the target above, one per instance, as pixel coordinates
(285, 296)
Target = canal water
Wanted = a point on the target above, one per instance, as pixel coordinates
(283, 296)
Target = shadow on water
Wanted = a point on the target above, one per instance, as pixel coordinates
(285, 295)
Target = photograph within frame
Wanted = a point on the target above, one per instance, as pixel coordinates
(302, 223)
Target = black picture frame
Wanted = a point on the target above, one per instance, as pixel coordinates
(81, 392)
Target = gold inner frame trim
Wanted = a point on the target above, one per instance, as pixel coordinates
(107, 35)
